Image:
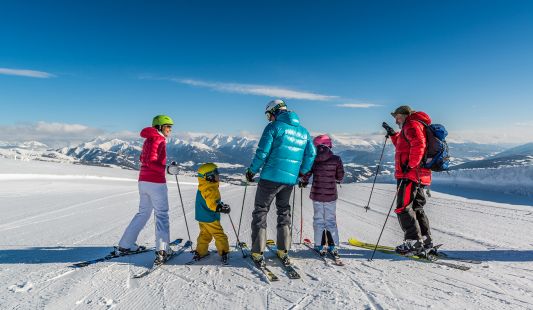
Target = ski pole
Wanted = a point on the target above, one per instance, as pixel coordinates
(242, 210)
(238, 242)
(375, 177)
(301, 214)
(183, 208)
(392, 204)
(292, 214)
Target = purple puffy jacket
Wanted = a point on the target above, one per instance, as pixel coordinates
(327, 171)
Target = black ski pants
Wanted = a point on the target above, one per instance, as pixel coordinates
(410, 210)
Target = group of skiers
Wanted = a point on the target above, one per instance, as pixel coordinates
(286, 156)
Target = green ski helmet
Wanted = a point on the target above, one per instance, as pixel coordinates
(161, 120)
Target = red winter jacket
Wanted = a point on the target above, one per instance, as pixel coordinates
(153, 156)
(410, 145)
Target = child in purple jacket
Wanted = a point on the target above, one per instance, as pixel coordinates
(327, 171)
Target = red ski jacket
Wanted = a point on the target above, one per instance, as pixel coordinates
(153, 156)
(410, 145)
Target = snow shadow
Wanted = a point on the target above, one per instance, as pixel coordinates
(58, 254)
(72, 255)
(485, 256)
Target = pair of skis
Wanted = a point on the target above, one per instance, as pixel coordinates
(287, 265)
(439, 258)
(175, 245)
(270, 276)
(114, 254)
(325, 256)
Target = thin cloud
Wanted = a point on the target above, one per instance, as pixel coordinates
(259, 90)
(60, 128)
(26, 73)
(358, 105)
(524, 124)
(52, 134)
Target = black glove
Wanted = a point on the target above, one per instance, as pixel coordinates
(223, 208)
(390, 131)
(405, 168)
(173, 168)
(302, 184)
(249, 175)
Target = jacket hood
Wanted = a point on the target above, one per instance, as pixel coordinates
(203, 184)
(150, 132)
(419, 116)
(323, 153)
(288, 117)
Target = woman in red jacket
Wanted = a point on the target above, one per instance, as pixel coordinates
(411, 178)
(152, 190)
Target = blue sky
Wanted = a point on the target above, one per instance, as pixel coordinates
(212, 66)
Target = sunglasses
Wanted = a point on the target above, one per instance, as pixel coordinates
(211, 176)
(214, 172)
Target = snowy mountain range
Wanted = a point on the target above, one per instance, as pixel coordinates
(234, 153)
(517, 156)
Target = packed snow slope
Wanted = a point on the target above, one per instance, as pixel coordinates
(54, 215)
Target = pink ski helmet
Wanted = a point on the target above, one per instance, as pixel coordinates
(322, 140)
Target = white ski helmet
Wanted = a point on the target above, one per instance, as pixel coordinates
(275, 105)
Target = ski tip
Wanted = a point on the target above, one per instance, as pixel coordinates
(176, 242)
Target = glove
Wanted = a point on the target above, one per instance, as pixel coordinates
(405, 168)
(302, 184)
(390, 131)
(249, 175)
(223, 208)
(173, 168)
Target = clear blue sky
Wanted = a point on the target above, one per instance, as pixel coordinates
(114, 64)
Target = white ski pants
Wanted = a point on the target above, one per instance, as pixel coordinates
(153, 197)
(325, 217)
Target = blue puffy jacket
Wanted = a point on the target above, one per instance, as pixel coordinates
(284, 151)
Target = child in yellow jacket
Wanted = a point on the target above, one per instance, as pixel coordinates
(208, 208)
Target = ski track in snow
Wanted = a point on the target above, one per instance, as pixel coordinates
(79, 218)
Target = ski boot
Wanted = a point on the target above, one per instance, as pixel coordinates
(320, 249)
(428, 243)
(333, 250)
(258, 259)
(197, 256)
(284, 256)
(411, 248)
(162, 256)
(224, 258)
(125, 251)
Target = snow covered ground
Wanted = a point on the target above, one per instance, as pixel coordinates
(53, 215)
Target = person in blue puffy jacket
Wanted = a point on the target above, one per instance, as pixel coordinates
(285, 151)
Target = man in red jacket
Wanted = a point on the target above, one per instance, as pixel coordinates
(410, 144)
(152, 190)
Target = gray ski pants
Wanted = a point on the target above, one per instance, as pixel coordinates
(266, 192)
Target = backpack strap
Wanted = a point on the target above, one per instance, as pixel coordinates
(425, 157)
